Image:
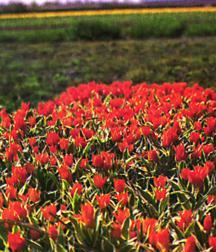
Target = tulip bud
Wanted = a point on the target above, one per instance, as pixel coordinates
(208, 223)
(190, 245)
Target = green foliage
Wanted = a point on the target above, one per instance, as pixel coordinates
(96, 29)
(111, 27)
(200, 29)
(157, 26)
(32, 36)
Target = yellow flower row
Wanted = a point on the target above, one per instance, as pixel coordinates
(107, 12)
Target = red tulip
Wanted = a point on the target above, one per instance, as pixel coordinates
(34, 234)
(53, 232)
(104, 160)
(208, 148)
(116, 230)
(11, 152)
(119, 185)
(169, 137)
(116, 135)
(19, 173)
(211, 199)
(160, 181)
(29, 168)
(149, 225)
(77, 188)
(212, 243)
(18, 209)
(87, 215)
(186, 217)
(122, 215)
(99, 181)
(208, 223)
(52, 138)
(11, 192)
(103, 200)
(190, 244)
(194, 137)
(84, 163)
(42, 158)
(152, 155)
(80, 142)
(16, 242)
(65, 173)
(33, 195)
(210, 166)
(68, 159)
(64, 143)
(180, 152)
(185, 173)
(49, 212)
(162, 240)
(122, 198)
(9, 214)
(160, 195)
(211, 125)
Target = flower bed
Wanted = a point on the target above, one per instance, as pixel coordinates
(103, 167)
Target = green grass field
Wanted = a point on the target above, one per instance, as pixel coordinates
(41, 57)
(112, 27)
(34, 72)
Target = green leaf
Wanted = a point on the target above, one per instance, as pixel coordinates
(79, 235)
(190, 229)
(61, 248)
(198, 228)
(88, 147)
(75, 202)
(97, 228)
(149, 197)
(127, 248)
(88, 236)
(183, 199)
(212, 191)
(130, 159)
(163, 205)
(107, 245)
(199, 202)
(76, 166)
(125, 228)
(179, 233)
(35, 245)
(175, 185)
(3, 235)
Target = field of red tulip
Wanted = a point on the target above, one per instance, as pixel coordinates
(110, 168)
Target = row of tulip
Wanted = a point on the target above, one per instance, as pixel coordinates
(78, 13)
(110, 168)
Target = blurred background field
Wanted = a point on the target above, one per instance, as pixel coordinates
(109, 27)
(40, 57)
